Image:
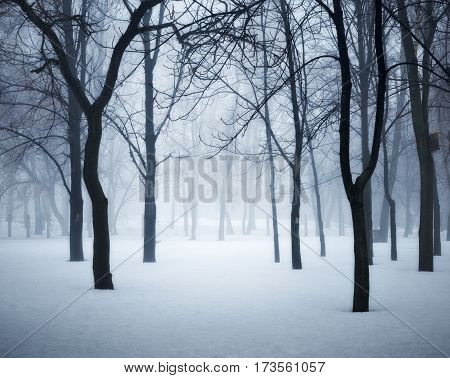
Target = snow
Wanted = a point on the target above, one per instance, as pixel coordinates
(208, 298)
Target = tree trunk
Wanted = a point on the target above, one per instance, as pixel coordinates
(150, 206)
(52, 201)
(150, 141)
(361, 277)
(295, 208)
(9, 212)
(295, 222)
(76, 194)
(48, 216)
(423, 147)
(436, 218)
(355, 191)
(38, 220)
(389, 199)
(381, 235)
(74, 136)
(318, 202)
(364, 25)
(244, 217)
(101, 267)
(26, 217)
(448, 226)
(268, 126)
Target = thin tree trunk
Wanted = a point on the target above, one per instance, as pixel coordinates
(389, 199)
(38, 220)
(74, 136)
(268, 126)
(150, 141)
(318, 202)
(26, 217)
(423, 147)
(364, 59)
(244, 217)
(52, 201)
(101, 266)
(9, 212)
(295, 207)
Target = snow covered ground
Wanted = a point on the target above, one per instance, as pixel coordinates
(207, 298)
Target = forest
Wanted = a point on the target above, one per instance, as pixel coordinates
(224, 178)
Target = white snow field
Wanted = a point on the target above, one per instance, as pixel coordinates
(207, 298)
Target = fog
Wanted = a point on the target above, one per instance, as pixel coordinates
(227, 173)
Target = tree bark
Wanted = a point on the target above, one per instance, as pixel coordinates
(422, 143)
(101, 267)
(361, 275)
(295, 207)
(268, 126)
(355, 191)
(364, 59)
(74, 136)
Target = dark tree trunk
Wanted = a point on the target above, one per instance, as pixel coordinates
(76, 196)
(102, 274)
(391, 173)
(295, 208)
(355, 191)
(74, 136)
(150, 206)
(364, 26)
(421, 133)
(150, 141)
(361, 278)
(390, 200)
(295, 222)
